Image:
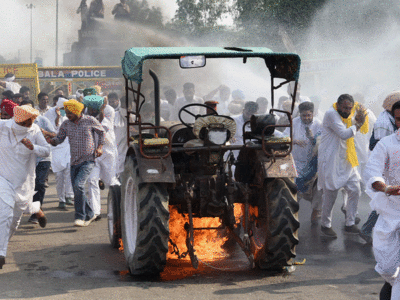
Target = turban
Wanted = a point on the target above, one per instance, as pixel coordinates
(74, 106)
(8, 106)
(94, 102)
(235, 107)
(98, 89)
(60, 102)
(391, 99)
(79, 93)
(89, 91)
(25, 112)
(238, 94)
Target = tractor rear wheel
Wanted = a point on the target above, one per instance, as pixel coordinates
(144, 222)
(274, 233)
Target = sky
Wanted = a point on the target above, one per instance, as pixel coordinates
(15, 26)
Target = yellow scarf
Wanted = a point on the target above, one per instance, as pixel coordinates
(351, 147)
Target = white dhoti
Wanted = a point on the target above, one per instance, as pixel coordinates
(60, 164)
(11, 211)
(328, 200)
(386, 245)
(63, 184)
(104, 169)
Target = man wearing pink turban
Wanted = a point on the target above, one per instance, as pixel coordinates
(7, 109)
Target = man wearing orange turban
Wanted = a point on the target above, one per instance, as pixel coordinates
(21, 142)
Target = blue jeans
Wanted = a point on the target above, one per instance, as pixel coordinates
(42, 170)
(370, 224)
(79, 176)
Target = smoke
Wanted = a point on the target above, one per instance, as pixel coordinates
(15, 29)
(352, 48)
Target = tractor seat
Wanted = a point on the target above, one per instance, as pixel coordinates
(204, 122)
(277, 140)
(153, 141)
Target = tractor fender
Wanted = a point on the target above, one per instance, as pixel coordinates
(280, 168)
(153, 170)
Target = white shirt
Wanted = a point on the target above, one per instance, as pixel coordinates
(384, 165)
(180, 102)
(384, 125)
(120, 131)
(239, 129)
(13, 87)
(60, 154)
(303, 155)
(362, 140)
(334, 170)
(17, 162)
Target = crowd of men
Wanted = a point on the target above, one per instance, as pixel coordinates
(345, 151)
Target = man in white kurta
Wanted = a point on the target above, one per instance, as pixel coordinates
(20, 144)
(61, 157)
(334, 168)
(384, 126)
(188, 98)
(120, 130)
(306, 130)
(382, 177)
(104, 168)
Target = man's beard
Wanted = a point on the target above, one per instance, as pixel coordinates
(343, 114)
(307, 122)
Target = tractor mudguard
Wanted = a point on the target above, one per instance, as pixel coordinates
(154, 170)
(282, 167)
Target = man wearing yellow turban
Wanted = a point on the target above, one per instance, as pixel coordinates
(337, 161)
(21, 142)
(84, 148)
(74, 107)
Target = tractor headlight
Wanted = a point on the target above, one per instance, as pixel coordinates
(218, 136)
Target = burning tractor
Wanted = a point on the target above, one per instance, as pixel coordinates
(192, 166)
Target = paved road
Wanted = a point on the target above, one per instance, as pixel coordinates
(66, 262)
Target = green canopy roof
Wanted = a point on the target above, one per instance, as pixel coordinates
(281, 65)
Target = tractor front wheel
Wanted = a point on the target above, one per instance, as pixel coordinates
(144, 222)
(275, 224)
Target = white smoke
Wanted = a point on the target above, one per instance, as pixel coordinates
(15, 29)
(357, 46)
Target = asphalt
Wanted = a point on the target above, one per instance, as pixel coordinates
(66, 262)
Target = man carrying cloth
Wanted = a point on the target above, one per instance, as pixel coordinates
(21, 142)
(337, 161)
(80, 131)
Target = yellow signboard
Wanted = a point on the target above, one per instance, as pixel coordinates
(25, 75)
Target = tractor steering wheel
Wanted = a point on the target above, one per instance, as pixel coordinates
(184, 109)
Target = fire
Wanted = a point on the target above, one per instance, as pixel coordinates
(121, 245)
(207, 243)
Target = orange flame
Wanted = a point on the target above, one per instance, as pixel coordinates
(121, 245)
(207, 243)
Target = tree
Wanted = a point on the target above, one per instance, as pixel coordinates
(155, 17)
(272, 17)
(199, 15)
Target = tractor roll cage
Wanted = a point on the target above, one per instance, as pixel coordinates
(281, 66)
